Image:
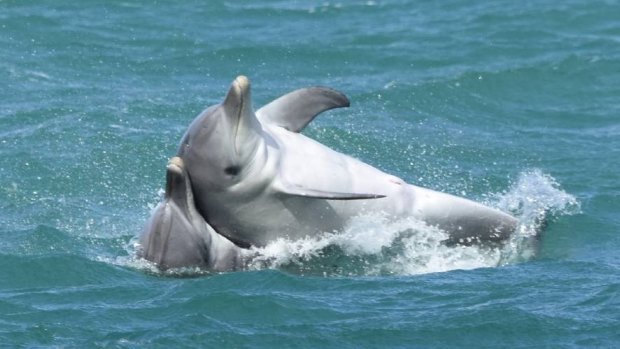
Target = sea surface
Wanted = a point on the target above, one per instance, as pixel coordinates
(512, 103)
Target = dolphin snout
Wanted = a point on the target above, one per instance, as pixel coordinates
(239, 92)
(242, 83)
(237, 101)
(241, 122)
(175, 165)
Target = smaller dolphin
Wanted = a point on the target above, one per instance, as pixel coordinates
(177, 236)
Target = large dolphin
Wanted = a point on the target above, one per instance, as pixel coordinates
(256, 178)
(177, 236)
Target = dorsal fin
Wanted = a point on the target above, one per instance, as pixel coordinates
(296, 109)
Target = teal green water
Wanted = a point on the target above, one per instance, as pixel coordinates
(516, 104)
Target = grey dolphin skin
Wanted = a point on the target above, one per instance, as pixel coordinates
(256, 178)
(177, 236)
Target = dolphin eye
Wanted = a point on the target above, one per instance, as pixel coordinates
(232, 170)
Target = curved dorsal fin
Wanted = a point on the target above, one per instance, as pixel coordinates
(296, 109)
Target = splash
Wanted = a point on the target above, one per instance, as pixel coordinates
(535, 199)
(374, 245)
(371, 245)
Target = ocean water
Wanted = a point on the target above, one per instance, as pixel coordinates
(512, 103)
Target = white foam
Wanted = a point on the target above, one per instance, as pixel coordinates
(534, 196)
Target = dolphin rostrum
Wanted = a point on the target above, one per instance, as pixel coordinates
(256, 178)
(177, 236)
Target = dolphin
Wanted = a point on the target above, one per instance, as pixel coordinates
(177, 236)
(256, 178)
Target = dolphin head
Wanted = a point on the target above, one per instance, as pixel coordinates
(176, 235)
(223, 139)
